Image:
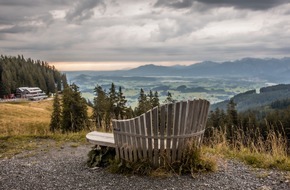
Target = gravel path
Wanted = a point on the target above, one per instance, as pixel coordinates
(65, 168)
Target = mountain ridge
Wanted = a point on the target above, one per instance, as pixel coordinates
(273, 69)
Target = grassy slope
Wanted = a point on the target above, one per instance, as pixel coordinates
(25, 118)
(25, 126)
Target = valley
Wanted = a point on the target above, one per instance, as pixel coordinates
(215, 89)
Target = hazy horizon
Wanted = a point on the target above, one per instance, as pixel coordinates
(109, 66)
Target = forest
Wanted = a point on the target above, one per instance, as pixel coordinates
(18, 72)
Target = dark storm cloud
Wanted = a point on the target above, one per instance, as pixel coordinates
(83, 10)
(253, 4)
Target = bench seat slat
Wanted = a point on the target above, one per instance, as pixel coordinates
(100, 138)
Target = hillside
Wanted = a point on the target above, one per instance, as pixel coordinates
(18, 72)
(252, 99)
(25, 117)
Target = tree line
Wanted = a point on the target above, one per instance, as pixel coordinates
(112, 105)
(70, 111)
(251, 123)
(18, 72)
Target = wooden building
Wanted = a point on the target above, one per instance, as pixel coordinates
(30, 93)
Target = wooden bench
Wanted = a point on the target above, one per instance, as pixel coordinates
(159, 135)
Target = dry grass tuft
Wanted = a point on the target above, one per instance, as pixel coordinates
(269, 152)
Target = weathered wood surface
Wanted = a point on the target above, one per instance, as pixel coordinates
(161, 133)
(100, 138)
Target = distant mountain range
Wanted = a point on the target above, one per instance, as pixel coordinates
(274, 70)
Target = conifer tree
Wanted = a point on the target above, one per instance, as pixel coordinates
(101, 105)
(155, 101)
(74, 116)
(55, 122)
(150, 98)
(113, 100)
(121, 105)
(169, 98)
(143, 103)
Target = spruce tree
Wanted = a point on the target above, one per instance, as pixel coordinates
(55, 122)
(113, 99)
(101, 105)
(121, 105)
(143, 103)
(150, 98)
(169, 98)
(155, 101)
(74, 115)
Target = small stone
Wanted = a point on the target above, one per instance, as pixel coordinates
(264, 187)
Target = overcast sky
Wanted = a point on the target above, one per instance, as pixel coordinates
(101, 34)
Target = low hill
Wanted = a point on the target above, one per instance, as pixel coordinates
(251, 99)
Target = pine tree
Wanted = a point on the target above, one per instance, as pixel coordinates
(121, 105)
(143, 103)
(101, 105)
(150, 98)
(155, 101)
(232, 119)
(74, 115)
(113, 99)
(169, 98)
(55, 122)
(232, 113)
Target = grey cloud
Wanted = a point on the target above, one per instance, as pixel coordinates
(83, 10)
(24, 25)
(175, 4)
(17, 29)
(33, 3)
(253, 5)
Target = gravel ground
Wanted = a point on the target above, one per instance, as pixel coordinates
(65, 168)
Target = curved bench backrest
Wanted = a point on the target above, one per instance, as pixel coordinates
(161, 133)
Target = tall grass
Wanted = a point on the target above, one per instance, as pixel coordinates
(259, 150)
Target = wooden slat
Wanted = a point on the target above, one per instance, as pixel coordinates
(148, 117)
(190, 116)
(175, 129)
(143, 138)
(120, 140)
(169, 128)
(133, 140)
(115, 127)
(155, 135)
(189, 121)
(128, 141)
(204, 119)
(181, 129)
(196, 110)
(163, 120)
(124, 140)
(138, 132)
